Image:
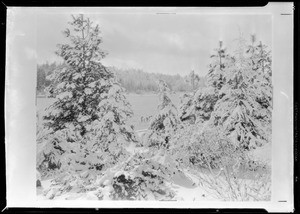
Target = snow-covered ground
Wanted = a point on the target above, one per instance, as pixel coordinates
(263, 154)
(186, 184)
(187, 188)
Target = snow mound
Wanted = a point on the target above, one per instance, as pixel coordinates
(179, 178)
(262, 154)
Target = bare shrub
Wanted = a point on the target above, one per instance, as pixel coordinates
(228, 173)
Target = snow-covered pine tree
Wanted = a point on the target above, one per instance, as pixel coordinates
(238, 112)
(165, 122)
(111, 133)
(81, 81)
(88, 117)
(215, 76)
(186, 108)
(261, 61)
(262, 65)
(205, 98)
(204, 101)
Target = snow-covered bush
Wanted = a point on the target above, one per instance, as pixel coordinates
(51, 152)
(199, 146)
(231, 188)
(163, 125)
(144, 177)
(225, 171)
(146, 186)
(197, 107)
(186, 111)
(203, 103)
(182, 142)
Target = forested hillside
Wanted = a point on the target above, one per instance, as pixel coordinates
(133, 80)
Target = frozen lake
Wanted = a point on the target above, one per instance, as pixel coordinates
(142, 105)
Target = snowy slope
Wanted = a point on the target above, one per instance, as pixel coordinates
(185, 185)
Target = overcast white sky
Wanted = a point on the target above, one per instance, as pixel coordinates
(159, 43)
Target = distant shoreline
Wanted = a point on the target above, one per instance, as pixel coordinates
(131, 94)
(152, 93)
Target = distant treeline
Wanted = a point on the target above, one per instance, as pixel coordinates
(133, 80)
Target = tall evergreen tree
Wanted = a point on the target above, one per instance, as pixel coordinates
(89, 116)
(261, 63)
(205, 98)
(81, 81)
